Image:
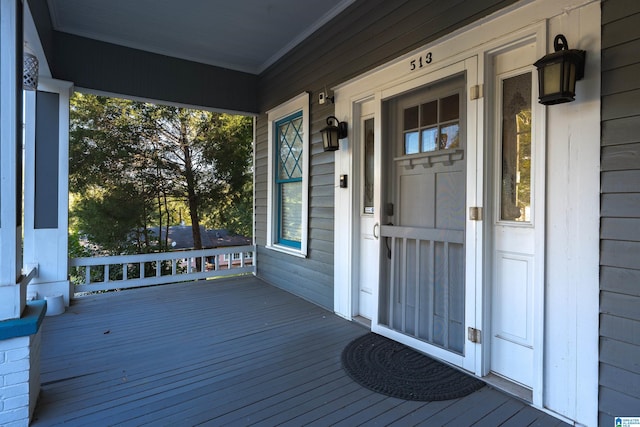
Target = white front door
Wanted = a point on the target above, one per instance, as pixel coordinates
(368, 213)
(517, 218)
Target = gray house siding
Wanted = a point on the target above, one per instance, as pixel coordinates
(312, 277)
(619, 391)
(367, 34)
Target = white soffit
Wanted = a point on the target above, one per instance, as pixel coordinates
(243, 35)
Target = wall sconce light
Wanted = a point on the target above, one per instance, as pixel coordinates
(332, 133)
(30, 69)
(558, 73)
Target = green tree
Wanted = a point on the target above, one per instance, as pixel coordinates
(136, 165)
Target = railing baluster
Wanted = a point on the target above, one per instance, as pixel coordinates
(403, 288)
(175, 258)
(431, 281)
(447, 293)
(417, 285)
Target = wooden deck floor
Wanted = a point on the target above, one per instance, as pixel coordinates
(225, 352)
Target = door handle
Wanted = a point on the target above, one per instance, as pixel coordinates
(375, 230)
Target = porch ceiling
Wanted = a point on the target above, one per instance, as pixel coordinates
(241, 35)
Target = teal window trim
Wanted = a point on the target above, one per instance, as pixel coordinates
(291, 177)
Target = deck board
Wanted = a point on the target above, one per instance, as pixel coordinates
(224, 352)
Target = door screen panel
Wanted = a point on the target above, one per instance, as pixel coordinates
(422, 292)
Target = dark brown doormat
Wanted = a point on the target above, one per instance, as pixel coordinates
(393, 369)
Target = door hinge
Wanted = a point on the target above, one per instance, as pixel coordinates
(475, 213)
(476, 92)
(474, 335)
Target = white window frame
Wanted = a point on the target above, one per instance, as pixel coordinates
(297, 104)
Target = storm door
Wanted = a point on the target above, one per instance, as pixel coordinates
(422, 286)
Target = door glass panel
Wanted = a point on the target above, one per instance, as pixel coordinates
(515, 194)
(450, 136)
(429, 114)
(411, 143)
(450, 108)
(411, 118)
(438, 129)
(368, 166)
(430, 139)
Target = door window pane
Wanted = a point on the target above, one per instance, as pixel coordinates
(515, 194)
(450, 108)
(411, 143)
(411, 118)
(450, 136)
(368, 166)
(430, 139)
(429, 114)
(438, 128)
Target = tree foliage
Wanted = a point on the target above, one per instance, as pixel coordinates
(135, 165)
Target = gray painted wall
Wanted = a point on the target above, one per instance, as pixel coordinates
(620, 212)
(367, 34)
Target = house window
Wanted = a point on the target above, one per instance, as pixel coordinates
(288, 176)
(236, 256)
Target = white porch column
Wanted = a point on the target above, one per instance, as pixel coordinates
(46, 199)
(19, 321)
(12, 294)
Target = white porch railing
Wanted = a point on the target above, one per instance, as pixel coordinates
(130, 271)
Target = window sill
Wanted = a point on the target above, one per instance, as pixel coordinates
(286, 250)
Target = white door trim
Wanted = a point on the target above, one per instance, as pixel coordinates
(566, 379)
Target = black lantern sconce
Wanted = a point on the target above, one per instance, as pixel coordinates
(558, 73)
(332, 133)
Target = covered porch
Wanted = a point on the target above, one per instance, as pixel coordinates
(229, 351)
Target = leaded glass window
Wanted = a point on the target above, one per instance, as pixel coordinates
(515, 194)
(289, 137)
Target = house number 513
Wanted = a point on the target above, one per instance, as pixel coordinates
(416, 64)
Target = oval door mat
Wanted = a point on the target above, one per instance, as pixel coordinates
(393, 369)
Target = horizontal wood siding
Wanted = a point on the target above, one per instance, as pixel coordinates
(619, 392)
(260, 176)
(311, 277)
(367, 34)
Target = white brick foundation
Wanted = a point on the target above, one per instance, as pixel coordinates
(19, 379)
